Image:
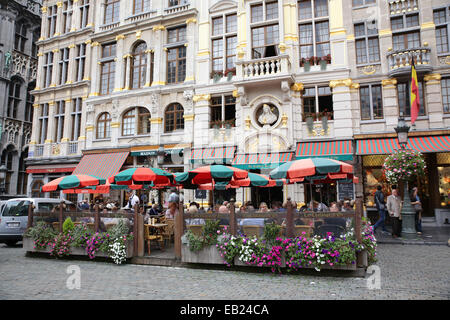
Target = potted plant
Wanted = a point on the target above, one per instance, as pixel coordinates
(305, 63)
(313, 60)
(216, 75)
(324, 119)
(230, 73)
(309, 118)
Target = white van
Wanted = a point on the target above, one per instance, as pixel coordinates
(14, 216)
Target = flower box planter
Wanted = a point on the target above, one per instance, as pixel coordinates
(238, 262)
(207, 255)
(28, 245)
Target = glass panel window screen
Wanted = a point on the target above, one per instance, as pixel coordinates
(67, 15)
(84, 13)
(320, 8)
(231, 52)
(76, 118)
(141, 6)
(445, 89)
(80, 60)
(59, 121)
(271, 10)
(364, 95)
(442, 39)
(104, 126)
(217, 26)
(128, 123)
(139, 66)
(412, 21)
(112, 8)
(215, 112)
(217, 55)
(441, 19)
(20, 36)
(304, 9)
(231, 23)
(257, 13)
(174, 117)
(143, 121)
(404, 102)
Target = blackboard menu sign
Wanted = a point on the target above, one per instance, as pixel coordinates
(345, 191)
(200, 194)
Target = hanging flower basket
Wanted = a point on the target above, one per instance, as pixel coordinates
(403, 165)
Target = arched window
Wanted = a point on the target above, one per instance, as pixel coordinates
(104, 126)
(8, 160)
(139, 66)
(136, 121)
(36, 189)
(21, 36)
(14, 98)
(174, 117)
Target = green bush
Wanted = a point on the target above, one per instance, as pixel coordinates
(68, 225)
(271, 232)
(42, 234)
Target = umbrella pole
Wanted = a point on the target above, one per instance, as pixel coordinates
(310, 195)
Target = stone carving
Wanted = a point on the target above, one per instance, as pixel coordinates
(286, 91)
(266, 115)
(22, 65)
(243, 96)
(188, 96)
(154, 98)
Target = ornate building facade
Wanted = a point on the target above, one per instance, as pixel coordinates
(249, 83)
(19, 31)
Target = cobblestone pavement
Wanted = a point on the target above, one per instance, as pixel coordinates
(407, 272)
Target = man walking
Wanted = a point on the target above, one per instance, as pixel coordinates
(381, 207)
(394, 207)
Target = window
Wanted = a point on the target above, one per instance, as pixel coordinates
(359, 3)
(29, 103)
(111, 11)
(224, 56)
(84, 13)
(63, 65)
(317, 101)
(173, 3)
(67, 15)
(141, 6)
(314, 29)
(139, 65)
(445, 87)
(136, 121)
(59, 121)
(108, 68)
(265, 38)
(406, 31)
(34, 47)
(48, 69)
(80, 61)
(404, 102)
(22, 176)
(36, 188)
(104, 126)
(223, 112)
(371, 102)
(76, 118)
(367, 48)
(43, 123)
(21, 37)
(14, 98)
(52, 15)
(176, 55)
(441, 20)
(174, 117)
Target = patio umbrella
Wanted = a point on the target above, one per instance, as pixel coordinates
(72, 181)
(208, 174)
(310, 167)
(256, 180)
(142, 175)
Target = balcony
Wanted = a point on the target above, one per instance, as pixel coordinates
(176, 6)
(141, 16)
(400, 61)
(38, 150)
(19, 64)
(402, 6)
(263, 69)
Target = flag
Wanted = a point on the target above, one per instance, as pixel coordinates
(414, 94)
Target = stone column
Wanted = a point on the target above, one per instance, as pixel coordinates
(55, 72)
(243, 29)
(384, 34)
(90, 20)
(120, 67)
(50, 129)
(337, 34)
(201, 133)
(40, 70)
(59, 19)
(67, 130)
(127, 58)
(148, 71)
(433, 100)
(35, 128)
(159, 74)
(88, 62)
(290, 34)
(44, 24)
(342, 114)
(95, 69)
(75, 16)
(83, 142)
(190, 49)
(390, 103)
(71, 73)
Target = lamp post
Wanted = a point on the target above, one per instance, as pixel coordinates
(3, 170)
(408, 213)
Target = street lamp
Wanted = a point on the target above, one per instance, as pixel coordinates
(408, 213)
(402, 130)
(3, 170)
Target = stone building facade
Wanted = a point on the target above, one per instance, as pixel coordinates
(250, 83)
(19, 31)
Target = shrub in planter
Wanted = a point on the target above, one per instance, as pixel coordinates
(271, 232)
(42, 234)
(68, 225)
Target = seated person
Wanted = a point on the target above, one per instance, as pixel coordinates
(153, 211)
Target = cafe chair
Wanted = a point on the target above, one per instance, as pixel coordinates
(55, 226)
(169, 230)
(152, 237)
(251, 231)
(196, 229)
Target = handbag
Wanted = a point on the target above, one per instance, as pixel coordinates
(418, 207)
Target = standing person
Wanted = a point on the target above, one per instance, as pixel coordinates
(133, 199)
(172, 211)
(415, 201)
(381, 207)
(394, 207)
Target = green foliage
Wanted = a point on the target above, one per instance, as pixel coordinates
(119, 230)
(79, 234)
(68, 225)
(195, 242)
(42, 234)
(210, 232)
(271, 232)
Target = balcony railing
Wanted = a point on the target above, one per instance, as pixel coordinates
(140, 16)
(109, 26)
(400, 60)
(402, 6)
(39, 150)
(266, 67)
(178, 6)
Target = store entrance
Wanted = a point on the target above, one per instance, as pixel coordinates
(267, 195)
(325, 193)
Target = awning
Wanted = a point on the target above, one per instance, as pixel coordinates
(388, 146)
(338, 150)
(218, 155)
(155, 152)
(102, 165)
(261, 160)
(60, 168)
